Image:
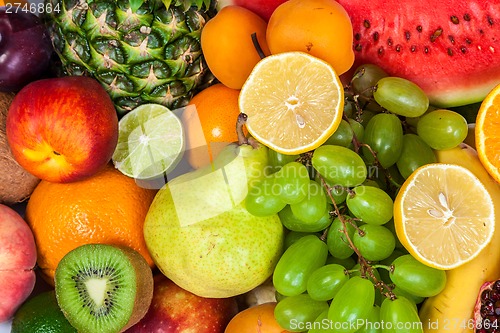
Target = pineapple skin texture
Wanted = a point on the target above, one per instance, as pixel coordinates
(149, 54)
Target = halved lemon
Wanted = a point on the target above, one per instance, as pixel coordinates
(150, 142)
(443, 215)
(294, 102)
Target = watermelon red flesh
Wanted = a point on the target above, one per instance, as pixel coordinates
(451, 49)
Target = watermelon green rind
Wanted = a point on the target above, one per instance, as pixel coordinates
(451, 49)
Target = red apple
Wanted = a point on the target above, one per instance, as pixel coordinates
(175, 310)
(263, 8)
(62, 129)
(17, 261)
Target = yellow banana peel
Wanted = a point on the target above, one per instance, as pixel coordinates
(451, 311)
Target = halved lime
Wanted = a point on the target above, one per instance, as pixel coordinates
(150, 142)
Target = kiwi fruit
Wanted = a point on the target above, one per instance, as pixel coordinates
(16, 184)
(103, 288)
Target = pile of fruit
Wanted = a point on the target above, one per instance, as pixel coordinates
(249, 166)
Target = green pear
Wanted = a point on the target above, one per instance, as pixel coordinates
(200, 235)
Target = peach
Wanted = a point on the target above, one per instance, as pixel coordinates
(62, 129)
(17, 262)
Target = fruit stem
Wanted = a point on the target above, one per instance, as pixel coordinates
(256, 44)
(240, 122)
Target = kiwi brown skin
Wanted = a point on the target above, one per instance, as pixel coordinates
(16, 184)
(144, 285)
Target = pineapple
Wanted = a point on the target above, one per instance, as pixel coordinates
(141, 51)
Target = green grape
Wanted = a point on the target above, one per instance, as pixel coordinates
(336, 240)
(293, 236)
(402, 293)
(372, 323)
(348, 262)
(390, 225)
(312, 208)
(261, 201)
(342, 136)
(326, 281)
(339, 165)
(401, 96)
(279, 297)
(321, 324)
(400, 316)
(373, 277)
(294, 313)
(365, 116)
(442, 129)
(415, 153)
(358, 129)
(297, 263)
(384, 135)
(348, 108)
(278, 160)
(371, 182)
(291, 182)
(352, 305)
(370, 204)
(416, 278)
(337, 193)
(384, 273)
(291, 222)
(374, 242)
(365, 78)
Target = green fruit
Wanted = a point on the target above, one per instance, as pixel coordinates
(374, 242)
(103, 288)
(141, 52)
(294, 313)
(370, 204)
(384, 135)
(442, 129)
(41, 314)
(401, 96)
(415, 153)
(202, 237)
(337, 243)
(400, 315)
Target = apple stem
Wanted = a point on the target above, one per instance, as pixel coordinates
(242, 119)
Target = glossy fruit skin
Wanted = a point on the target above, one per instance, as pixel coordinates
(339, 165)
(442, 129)
(291, 222)
(62, 129)
(259, 317)
(365, 78)
(324, 283)
(375, 243)
(294, 312)
(319, 27)
(414, 154)
(262, 201)
(297, 263)
(371, 204)
(401, 96)
(312, 208)
(338, 245)
(384, 134)
(342, 136)
(417, 278)
(352, 303)
(263, 8)
(400, 312)
(227, 44)
(25, 47)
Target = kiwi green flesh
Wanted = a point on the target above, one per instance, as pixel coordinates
(103, 288)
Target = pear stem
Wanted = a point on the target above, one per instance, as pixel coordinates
(242, 119)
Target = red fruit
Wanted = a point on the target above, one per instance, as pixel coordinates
(263, 8)
(17, 260)
(449, 48)
(487, 308)
(175, 310)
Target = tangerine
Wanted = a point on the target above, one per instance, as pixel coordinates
(321, 28)
(210, 123)
(258, 318)
(108, 207)
(227, 45)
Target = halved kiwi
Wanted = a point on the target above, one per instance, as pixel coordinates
(103, 288)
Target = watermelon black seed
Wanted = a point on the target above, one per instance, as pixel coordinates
(450, 52)
(490, 20)
(375, 36)
(358, 47)
(436, 34)
(389, 41)
(413, 48)
(466, 17)
(463, 49)
(357, 36)
(452, 39)
(454, 19)
(366, 24)
(407, 35)
(380, 51)
(419, 28)
(398, 48)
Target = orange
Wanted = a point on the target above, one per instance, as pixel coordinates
(210, 123)
(487, 133)
(321, 28)
(258, 318)
(226, 42)
(108, 207)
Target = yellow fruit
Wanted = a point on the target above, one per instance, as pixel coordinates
(439, 222)
(294, 102)
(451, 311)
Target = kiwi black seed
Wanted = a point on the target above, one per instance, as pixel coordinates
(103, 288)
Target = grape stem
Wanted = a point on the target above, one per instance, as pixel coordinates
(366, 269)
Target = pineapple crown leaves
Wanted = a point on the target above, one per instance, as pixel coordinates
(136, 4)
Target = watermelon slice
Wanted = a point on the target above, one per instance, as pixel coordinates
(450, 48)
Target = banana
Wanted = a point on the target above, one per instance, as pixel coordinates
(451, 311)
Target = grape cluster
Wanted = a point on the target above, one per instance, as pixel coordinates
(343, 268)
